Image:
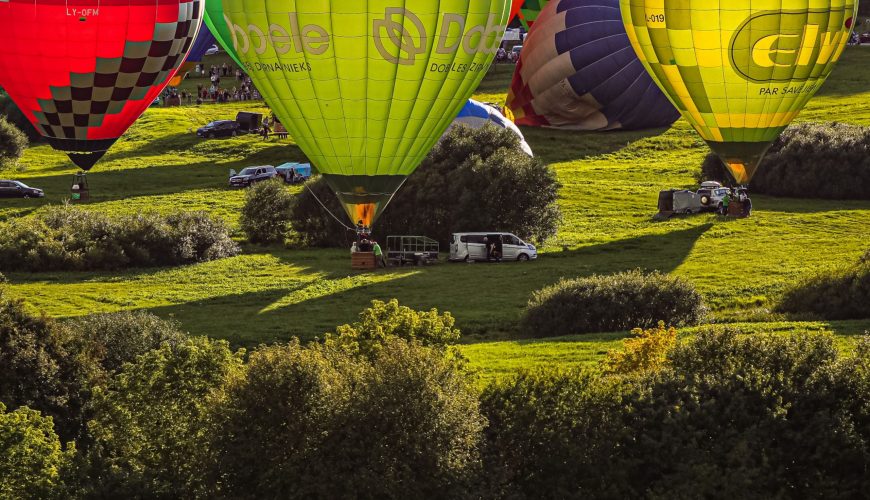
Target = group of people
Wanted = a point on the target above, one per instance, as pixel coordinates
(742, 198)
(243, 90)
(367, 245)
(493, 250)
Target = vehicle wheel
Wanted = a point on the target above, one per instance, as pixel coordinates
(523, 258)
(26, 196)
(234, 133)
(210, 135)
(719, 208)
(705, 200)
(465, 259)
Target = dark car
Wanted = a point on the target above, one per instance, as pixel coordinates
(252, 175)
(222, 128)
(16, 189)
(864, 37)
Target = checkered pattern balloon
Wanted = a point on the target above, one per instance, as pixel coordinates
(83, 71)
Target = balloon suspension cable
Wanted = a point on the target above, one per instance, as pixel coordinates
(328, 211)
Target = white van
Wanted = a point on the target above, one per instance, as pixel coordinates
(473, 246)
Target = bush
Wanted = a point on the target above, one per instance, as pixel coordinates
(13, 142)
(728, 415)
(30, 455)
(121, 337)
(838, 294)
(43, 368)
(69, 238)
(810, 160)
(12, 114)
(321, 422)
(150, 424)
(767, 416)
(388, 319)
(645, 352)
(472, 180)
(552, 435)
(267, 212)
(611, 303)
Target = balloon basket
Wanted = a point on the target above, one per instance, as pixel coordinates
(80, 192)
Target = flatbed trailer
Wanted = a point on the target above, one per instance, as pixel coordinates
(417, 250)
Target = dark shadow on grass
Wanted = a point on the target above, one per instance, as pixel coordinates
(487, 299)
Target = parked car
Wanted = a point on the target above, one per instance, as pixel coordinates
(515, 53)
(864, 37)
(712, 193)
(212, 50)
(252, 175)
(472, 247)
(221, 128)
(17, 189)
(294, 173)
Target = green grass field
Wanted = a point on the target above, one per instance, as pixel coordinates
(610, 187)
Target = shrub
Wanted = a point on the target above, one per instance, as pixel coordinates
(388, 319)
(150, 424)
(267, 212)
(646, 351)
(12, 143)
(121, 337)
(552, 435)
(43, 368)
(765, 415)
(30, 455)
(70, 238)
(611, 303)
(837, 294)
(810, 160)
(471, 180)
(321, 422)
(11, 113)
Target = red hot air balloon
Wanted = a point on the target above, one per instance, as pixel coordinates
(83, 71)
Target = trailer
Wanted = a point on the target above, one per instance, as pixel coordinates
(417, 250)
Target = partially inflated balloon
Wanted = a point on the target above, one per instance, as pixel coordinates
(367, 87)
(530, 10)
(739, 70)
(578, 71)
(204, 41)
(478, 115)
(515, 9)
(217, 25)
(83, 71)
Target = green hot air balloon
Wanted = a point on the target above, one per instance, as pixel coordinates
(739, 70)
(366, 87)
(217, 24)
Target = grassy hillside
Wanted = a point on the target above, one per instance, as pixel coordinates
(610, 186)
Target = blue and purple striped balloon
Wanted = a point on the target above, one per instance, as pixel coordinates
(577, 70)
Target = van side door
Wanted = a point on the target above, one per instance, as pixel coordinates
(511, 246)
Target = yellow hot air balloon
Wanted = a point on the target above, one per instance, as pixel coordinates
(366, 87)
(739, 70)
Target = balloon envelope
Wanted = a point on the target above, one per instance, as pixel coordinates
(477, 115)
(83, 71)
(739, 70)
(366, 88)
(529, 11)
(578, 71)
(204, 41)
(217, 25)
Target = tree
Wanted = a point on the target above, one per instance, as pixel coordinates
(13, 142)
(472, 180)
(150, 424)
(31, 458)
(323, 422)
(267, 212)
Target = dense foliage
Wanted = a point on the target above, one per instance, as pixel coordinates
(728, 416)
(842, 293)
(473, 180)
(12, 113)
(70, 238)
(384, 408)
(13, 142)
(810, 160)
(267, 212)
(325, 423)
(610, 303)
(30, 455)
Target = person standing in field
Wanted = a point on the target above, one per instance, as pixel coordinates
(379, 254)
